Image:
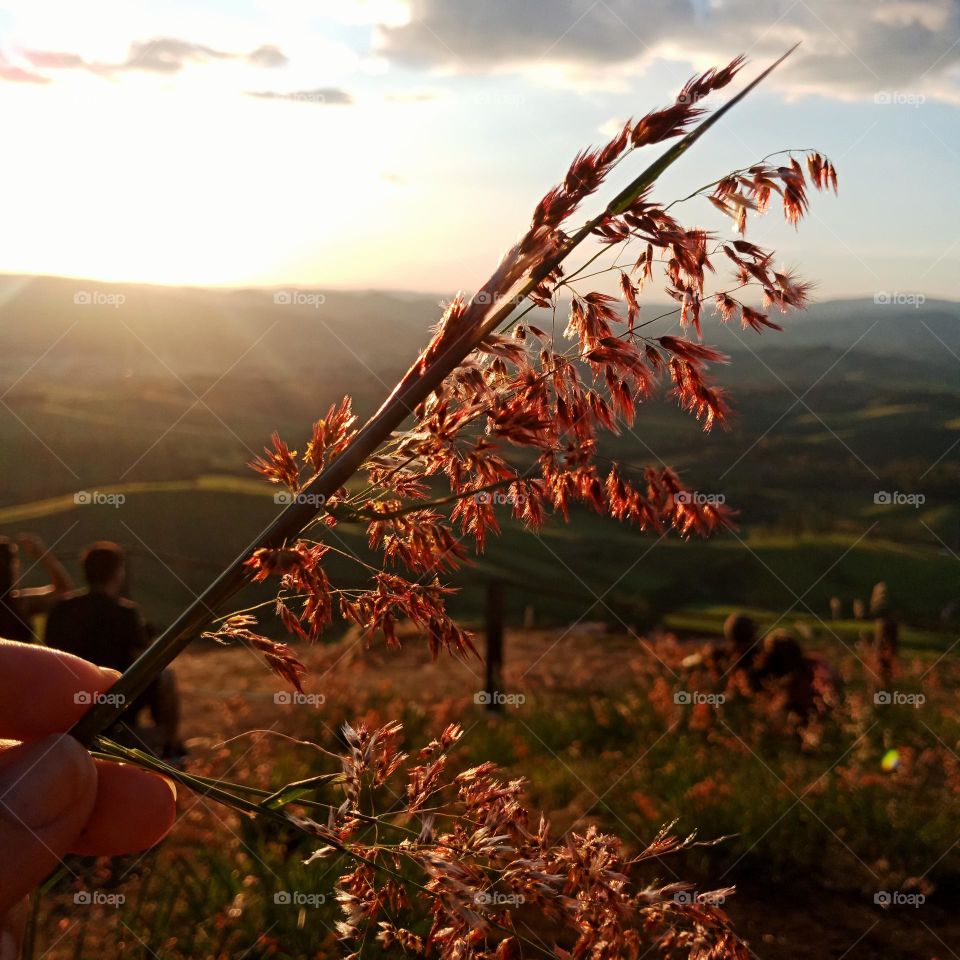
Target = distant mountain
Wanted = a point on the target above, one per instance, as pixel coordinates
(88, 330)
(93, 330)
(929, 331)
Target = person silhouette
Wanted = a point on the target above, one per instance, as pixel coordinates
(101, 625)
(19, 605)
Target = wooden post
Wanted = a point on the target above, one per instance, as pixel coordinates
(494, 681)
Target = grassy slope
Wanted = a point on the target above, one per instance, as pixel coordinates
(180, 533)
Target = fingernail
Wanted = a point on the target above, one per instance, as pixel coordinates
(46, 780)
(172, 784)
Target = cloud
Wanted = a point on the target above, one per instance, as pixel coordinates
(163, 55)
(851, 48)
(14, 74)
(168, 55)
(268, 56)
(612, 127)
(326, 96)
(51, 59)
(460, 34)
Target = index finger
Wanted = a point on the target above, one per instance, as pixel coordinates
(44, 691)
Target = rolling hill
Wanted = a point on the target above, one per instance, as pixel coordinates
(167, 393)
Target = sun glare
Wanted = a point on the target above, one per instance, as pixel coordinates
(139, 181)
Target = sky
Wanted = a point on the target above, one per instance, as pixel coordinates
(402, 144)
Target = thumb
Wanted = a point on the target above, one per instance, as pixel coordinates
(47, 792)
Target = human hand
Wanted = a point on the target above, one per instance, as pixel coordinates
(54, 798)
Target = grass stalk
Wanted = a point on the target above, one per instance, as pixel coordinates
(413, 388)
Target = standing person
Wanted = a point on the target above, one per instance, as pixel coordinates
(19, 605)
(100, 625)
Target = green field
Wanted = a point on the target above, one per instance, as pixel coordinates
(179, 533)
(819, 433)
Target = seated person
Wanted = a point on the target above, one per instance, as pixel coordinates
(100, 625)
(777, 664)
(738, 650)
(782, 667)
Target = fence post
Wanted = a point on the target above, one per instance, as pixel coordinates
(494, 623)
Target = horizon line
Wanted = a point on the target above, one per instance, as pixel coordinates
(390, 291)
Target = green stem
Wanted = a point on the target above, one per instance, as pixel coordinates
(214, 789)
